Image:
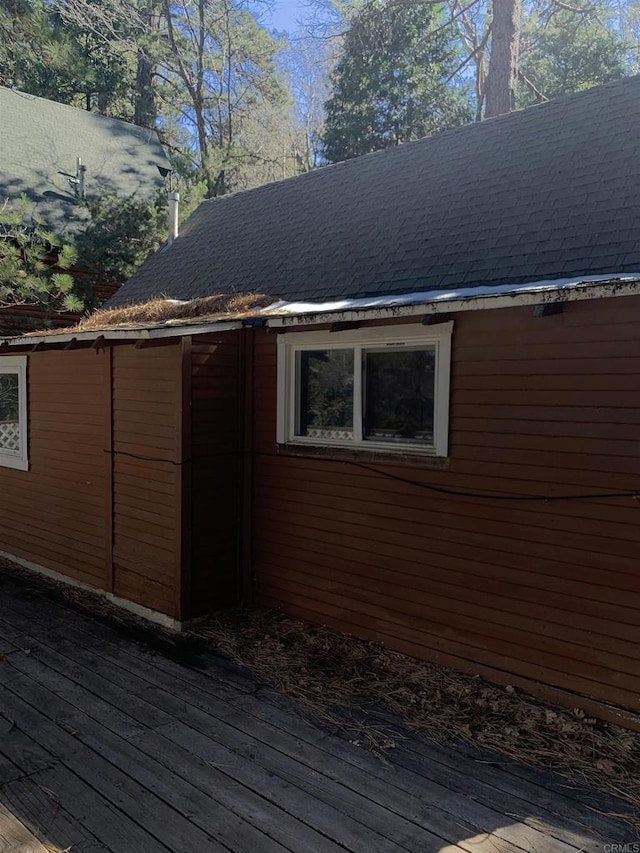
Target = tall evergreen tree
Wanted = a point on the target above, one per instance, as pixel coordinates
(566, 53)
(392, 81)
(47, 55)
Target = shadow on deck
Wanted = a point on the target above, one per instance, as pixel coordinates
(108, 745)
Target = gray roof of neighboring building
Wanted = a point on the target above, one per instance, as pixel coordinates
(40, 142)
(549, 192)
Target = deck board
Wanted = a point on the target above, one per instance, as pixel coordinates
(107, 744)
(43, 812)
(15, 837)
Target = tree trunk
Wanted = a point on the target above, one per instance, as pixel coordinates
(503, 62)
(145, 108)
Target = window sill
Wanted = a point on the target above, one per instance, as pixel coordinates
(13, 462)
(414, 459)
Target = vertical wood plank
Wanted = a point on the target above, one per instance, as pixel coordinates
(147, 442)
(183, 580)
(107, 357)
(216, 476)
(245, 375)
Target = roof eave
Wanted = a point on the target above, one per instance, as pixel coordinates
(278, 316)
(533, 294)
(117, 335)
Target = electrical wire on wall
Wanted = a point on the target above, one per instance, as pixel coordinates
(443, 490)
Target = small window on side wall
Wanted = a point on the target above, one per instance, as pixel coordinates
(13, 412)
(383, 388)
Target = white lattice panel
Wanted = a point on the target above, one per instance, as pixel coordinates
(10, 436)
(336, 434)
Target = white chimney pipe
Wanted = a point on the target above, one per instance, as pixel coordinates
(80, 173)
(174, 199)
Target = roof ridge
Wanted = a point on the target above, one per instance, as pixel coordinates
(473, 126)
(545, 192)
(79, 111)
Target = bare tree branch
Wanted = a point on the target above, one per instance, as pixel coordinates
(531, 87)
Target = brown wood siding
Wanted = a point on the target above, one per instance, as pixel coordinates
(147, 475)
(101, 501)
(519, 591)
(53, 515)
(215, 471)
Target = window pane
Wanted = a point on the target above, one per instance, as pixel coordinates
(325, 394)
(9, 412)
(399, 388)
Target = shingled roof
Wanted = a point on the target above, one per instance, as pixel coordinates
(549, 192)
(40, 142)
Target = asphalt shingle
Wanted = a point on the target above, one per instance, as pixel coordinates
(552, 191)
(40, 141)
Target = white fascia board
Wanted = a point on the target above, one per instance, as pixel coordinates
(461, 299)
(169, 331)
(152, 333)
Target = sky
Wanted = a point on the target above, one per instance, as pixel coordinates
(285, 13)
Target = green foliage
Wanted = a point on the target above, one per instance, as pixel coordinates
(122, 234)
(23, 34)
(566, 53)
(399, 391)
(47, 56)
(32, 262)
(392, 81)
(326, 384)
(9, 399)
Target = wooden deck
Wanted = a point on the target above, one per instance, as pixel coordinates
(108, 745)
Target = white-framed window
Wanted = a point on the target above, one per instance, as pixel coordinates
(383, 388)
(13, 412)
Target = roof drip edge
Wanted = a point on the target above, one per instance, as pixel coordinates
(458, 299)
